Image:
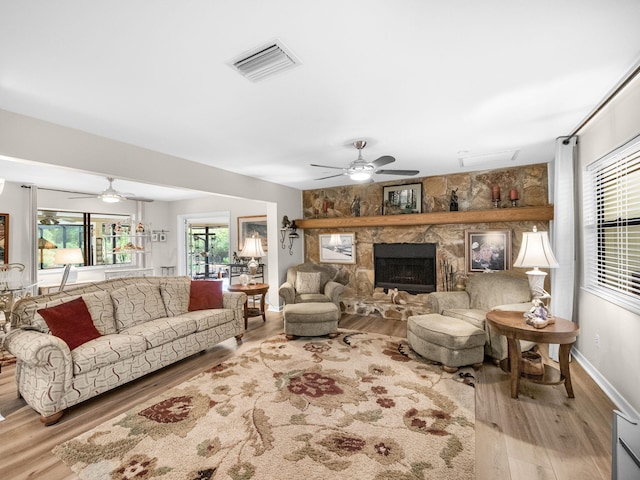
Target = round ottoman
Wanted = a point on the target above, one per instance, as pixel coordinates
(446, 340)
(311, 319)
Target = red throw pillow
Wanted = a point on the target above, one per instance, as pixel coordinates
(205, 294)
(71, 322)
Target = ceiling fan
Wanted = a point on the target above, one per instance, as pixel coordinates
(360, 169)
(111, 195)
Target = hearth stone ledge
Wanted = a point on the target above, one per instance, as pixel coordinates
(389, 305)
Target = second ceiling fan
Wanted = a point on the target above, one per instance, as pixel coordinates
(361, 170)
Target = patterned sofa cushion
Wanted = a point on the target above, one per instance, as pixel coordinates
(175, 295)
(106, 350)
(101, 309)
(162, 330)
(99, 305)
(136, 304)
(206, 319)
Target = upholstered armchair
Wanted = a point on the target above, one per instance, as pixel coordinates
(485, 292)
(311, 282)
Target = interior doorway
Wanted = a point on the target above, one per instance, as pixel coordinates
(206, 249)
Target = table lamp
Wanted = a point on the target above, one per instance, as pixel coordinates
(252, 248)
(68, 257)
(44, 244)
(535, 252)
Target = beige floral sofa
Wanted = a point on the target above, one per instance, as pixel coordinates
(144, 324)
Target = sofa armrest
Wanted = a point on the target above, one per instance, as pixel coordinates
(34, 348)
(440, 301)
(514, 307)
(45, 368)
(233, 300)
(288, 293)
(333, 290)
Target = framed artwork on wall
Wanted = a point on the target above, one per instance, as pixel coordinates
(248, 226)
(4, 238)
(399, 199)
(337, 247)
(487, 250)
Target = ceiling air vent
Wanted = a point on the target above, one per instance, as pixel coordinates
(265, 61)
(488, 159)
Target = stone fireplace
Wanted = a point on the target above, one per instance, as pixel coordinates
(444, 231)
(410, 267)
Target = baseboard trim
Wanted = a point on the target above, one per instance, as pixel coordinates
(606, 387)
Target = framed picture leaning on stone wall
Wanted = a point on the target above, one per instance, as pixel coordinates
(397, 199)
(487, 250)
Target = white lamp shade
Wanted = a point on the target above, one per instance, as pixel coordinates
(252, 248)
(535, 251)
(68, 256)
(1, 185)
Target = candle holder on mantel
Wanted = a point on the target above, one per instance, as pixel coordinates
(495, 196)
(513, 196)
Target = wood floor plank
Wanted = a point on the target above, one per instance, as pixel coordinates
(543, 435)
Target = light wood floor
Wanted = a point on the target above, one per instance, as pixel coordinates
(542, 435)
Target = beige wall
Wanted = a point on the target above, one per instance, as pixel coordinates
(31, 139)
(616, 360)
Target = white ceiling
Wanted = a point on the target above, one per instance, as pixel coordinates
(421, 80)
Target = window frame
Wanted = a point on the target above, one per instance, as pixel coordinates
(92, 237)
(612, 277)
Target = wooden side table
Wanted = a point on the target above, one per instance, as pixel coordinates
(513, 326)
(252, 289)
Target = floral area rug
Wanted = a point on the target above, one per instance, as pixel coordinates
(360, 405)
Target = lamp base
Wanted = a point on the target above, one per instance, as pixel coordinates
(536, 283)
(253, 269)
(69, 275)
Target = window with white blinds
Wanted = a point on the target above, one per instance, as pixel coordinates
(612, 226)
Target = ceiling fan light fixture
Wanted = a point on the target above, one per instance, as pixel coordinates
(110, 198)
(359, 176)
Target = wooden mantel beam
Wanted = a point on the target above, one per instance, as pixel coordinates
(495, 215)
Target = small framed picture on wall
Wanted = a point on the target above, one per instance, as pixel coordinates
(338, 248)
(487, 250)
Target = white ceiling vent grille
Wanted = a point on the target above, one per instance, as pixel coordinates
(265, 61)
(488, 159)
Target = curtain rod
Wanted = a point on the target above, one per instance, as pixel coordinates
(610, 96)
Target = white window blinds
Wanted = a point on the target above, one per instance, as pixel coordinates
(612, 225)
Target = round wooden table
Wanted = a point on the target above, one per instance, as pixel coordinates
(252, 289)
(513, 326)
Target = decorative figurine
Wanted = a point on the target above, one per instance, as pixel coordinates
(140, 228)
(453, 203)
(355, 206)
(538, 315)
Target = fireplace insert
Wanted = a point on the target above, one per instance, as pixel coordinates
(406, 266)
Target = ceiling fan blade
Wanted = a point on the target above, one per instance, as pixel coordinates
(86, 196)
(384, 160)
(139, 199)
(398, 172)
(330, 176)
(326, 166)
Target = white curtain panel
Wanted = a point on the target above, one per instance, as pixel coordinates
(563, 233)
